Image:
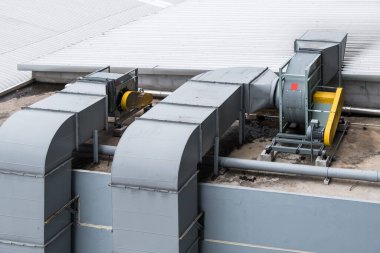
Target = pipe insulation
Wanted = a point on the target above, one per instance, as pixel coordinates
(300, 169)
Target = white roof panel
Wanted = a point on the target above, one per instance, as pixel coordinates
(31, 29)
(210, 34)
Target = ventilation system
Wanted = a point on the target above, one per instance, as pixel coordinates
(154, 172)
(36, 146)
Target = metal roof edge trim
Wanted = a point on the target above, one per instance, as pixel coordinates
(16, 87)
(82, 69)
(162, 71)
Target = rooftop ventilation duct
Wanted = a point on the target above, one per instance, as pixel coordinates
(36, 146)
(154, 172)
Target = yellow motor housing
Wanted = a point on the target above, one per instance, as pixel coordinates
(336, 101)
(132, 100)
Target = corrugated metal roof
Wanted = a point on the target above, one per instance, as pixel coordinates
(209, 34)
(30, 29)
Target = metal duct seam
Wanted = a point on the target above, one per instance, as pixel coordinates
(36, 147)
(158, 155)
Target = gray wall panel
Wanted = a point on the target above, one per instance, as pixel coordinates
(21, 192)
(94, 233)
(94, 196)
(260, 221)
(217, 247)
(57, 193)
(289, 221)
(6, 248)
(91, 240)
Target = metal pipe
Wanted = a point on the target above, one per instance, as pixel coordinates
(107, 149)
(364, 124)
(298, 169)
(216, 155)
(363, 111)
(102, 149)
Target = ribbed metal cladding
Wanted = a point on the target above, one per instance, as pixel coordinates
(31, 29)
(211, 34)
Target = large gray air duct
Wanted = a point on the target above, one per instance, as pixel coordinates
(154, 171)
(36, 146)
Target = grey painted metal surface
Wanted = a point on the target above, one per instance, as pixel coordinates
(331, 44)
(102, 149)
(91, 240)
(153, 221)
(15, 140)
(239, 219)
(154, 193)
(297, 219)
(236, 33)
(149, 164)
(92, 232)
(31, 29)
(298, 169)
(318, 59)
(87, 108)
(357, 92)
(36, 145)
(95, 197)
(60, 245)
(296, 102)
(259, 84)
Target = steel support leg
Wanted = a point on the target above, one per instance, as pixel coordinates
(216, 156)
(95, 145)
(241, 127)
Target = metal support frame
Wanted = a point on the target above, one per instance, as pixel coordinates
(241, 127)
(95, 146)
(342, 130)
(106, 114)
(242, 117)
(200, 143)
(216, 143)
